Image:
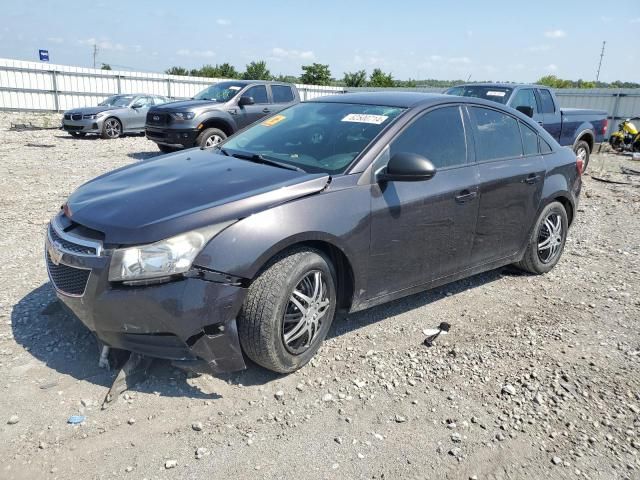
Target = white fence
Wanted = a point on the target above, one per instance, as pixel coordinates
(44, 87)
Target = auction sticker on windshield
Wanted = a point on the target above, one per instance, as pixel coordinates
(270, 122)
(496, 94)
(365, 118)
(233, 87)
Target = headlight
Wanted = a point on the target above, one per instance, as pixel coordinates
(93, 116)
(183, 115)
(161, 259)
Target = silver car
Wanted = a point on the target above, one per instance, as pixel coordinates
(113, 117)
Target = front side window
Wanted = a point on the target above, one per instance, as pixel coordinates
(496, 134)
(220, 92)
(525, 98)
(117, 101)
(438, 136)
(144, 101)
(281, 94)
(547, 101)
(529, 140)
(159, 100)
(314, 136)
(259, 94)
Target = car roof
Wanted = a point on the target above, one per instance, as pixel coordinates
(248, 82)
(500, 85)
(385, 98)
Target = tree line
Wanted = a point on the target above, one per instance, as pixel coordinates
(320, 74)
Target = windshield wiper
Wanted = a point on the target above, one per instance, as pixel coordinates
(257, 158)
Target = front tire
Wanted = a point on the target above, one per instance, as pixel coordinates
(547, 240)
(111, 128)
(210, 137)
(288, 310)
(583, 151)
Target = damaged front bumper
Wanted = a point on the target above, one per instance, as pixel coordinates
(190, 320)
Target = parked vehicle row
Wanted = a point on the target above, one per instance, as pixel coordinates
(580, 129)
(252, 247)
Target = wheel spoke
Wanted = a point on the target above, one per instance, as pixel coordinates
(302, 296)
(545, 244)
(297, 331)
(296, 302)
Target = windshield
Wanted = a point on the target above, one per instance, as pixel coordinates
(497, 94)
(220, 92)
(117, 101)
(316, 137)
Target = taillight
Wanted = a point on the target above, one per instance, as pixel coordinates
(579, 165)
(605, 126)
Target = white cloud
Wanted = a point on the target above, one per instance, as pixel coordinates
(555, 33)
(185, 52)
(55, 40)
(552, 67)
(459, 60)
(435, 58)
(103, 44)
(635, 20)
(223, 21)
(539, 48)
(281, 53)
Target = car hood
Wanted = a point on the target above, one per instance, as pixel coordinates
(93, 110)
(186, 105)
(175, 193)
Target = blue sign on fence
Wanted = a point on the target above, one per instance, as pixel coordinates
(44, 55)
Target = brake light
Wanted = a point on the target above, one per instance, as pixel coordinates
(579, 165)
(605, 126)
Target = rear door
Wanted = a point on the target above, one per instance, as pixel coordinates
(248, 114)
(510, 184)
(282, 97)
(551, 112)
(421, 231)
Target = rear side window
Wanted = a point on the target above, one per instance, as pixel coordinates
(259, 94)
(281, 94)
(496, 135)
(437, 135)
(547, 101)
(544, 146)
(529, 140)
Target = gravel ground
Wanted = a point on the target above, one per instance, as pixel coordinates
(538, 378)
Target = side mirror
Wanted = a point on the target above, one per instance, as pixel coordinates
(136, 106)
(528, 111)
(244, 100)
(407, 167)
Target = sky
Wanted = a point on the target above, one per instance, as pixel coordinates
(480, 40)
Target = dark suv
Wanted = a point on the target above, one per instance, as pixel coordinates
(336, 204)
(216, 113)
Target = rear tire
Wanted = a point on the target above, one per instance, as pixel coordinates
(547, 240)
(274, 332)
(583, 151)
(210, 137)
(167, 149)
(111, 128)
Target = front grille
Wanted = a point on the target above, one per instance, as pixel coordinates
(69, 280)
(152, 133)
(67, 116)
(73, 128)
(70, 246)
(76, 116)
(157, 118)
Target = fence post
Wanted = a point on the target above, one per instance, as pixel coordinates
(168, 87)
(119, 84)
(54, 81)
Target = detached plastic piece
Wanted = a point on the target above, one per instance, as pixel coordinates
(135, 371)
(433, 333)
(76, 419)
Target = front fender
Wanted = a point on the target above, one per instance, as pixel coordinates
(220, 116)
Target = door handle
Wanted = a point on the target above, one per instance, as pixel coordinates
(265, 110)
(531, 179)
(540, 122)
(466, 196)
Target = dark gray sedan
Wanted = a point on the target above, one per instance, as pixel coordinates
(115, 116)
(333, 205)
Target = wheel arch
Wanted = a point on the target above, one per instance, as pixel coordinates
(587, 136)
(220, 123)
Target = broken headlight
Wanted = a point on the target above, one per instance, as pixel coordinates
(161, 259)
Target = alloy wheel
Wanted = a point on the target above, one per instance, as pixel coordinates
(582, 154)
(112, 127)
(305, 312)
(550, 237)
(212, 141)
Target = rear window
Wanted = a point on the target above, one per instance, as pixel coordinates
(281, 94)
(496, 94)
(496, 134)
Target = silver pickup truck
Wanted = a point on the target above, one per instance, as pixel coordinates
(216, 113)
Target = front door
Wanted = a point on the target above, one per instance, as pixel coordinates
(526, 97)
(510, 183)
(422, 231)
(248, 114)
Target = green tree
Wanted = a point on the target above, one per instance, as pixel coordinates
(177, 71)
(380, 79)
(105, 66)
(287, 79)
(316, 74)
(355, 79)
(257, 71)
(226, 70)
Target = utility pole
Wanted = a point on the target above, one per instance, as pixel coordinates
(600, 63)
(95, 52)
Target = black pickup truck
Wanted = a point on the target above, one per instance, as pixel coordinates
(216, 113)
(578, 128)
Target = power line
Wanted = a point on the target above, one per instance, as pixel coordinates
(600, 63)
